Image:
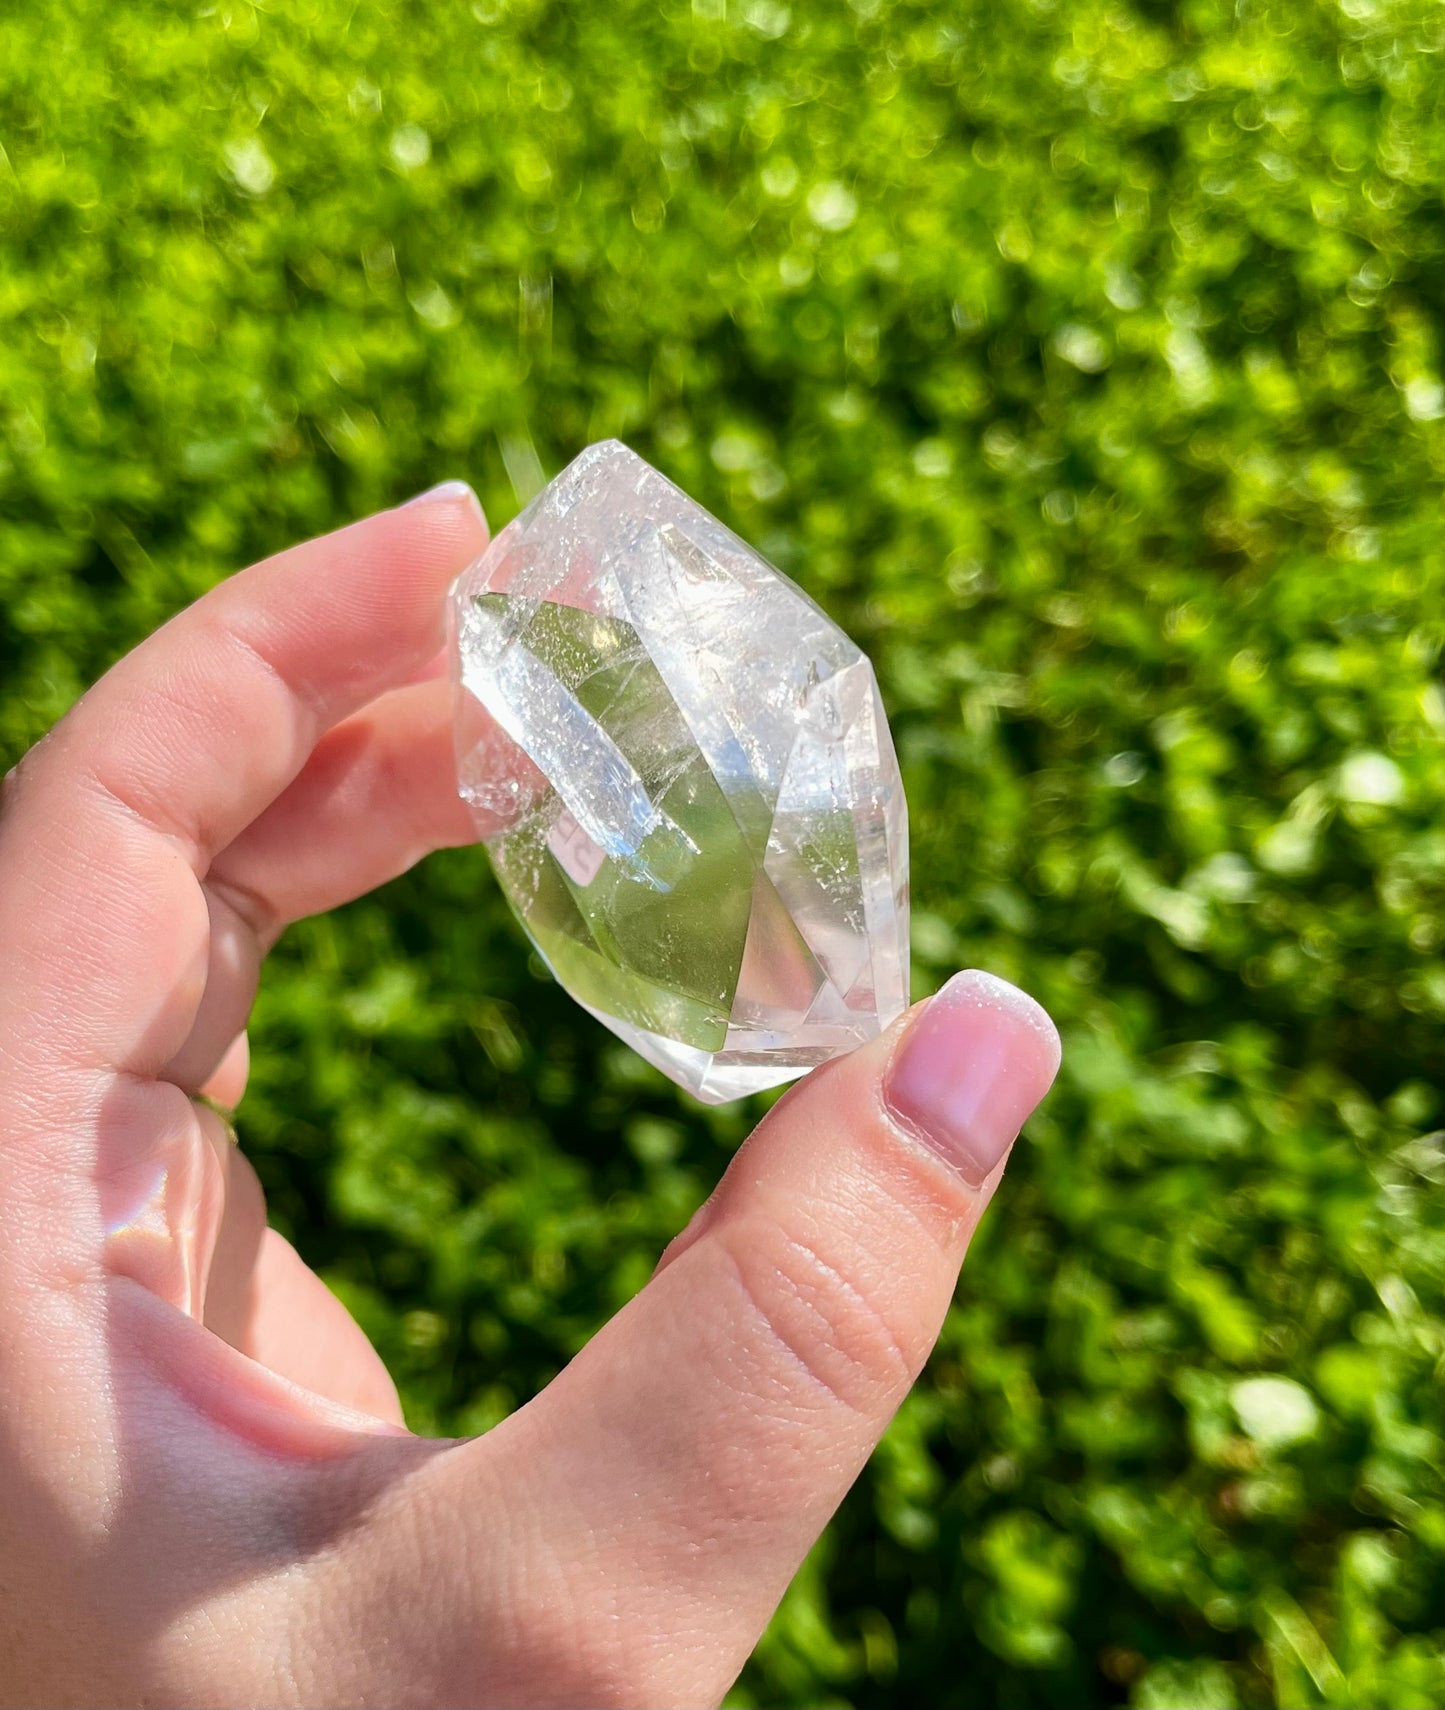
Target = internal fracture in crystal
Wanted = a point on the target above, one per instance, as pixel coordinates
(715, 859)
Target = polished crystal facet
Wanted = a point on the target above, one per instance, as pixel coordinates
(712, 852)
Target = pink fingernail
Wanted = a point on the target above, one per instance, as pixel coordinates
(970, 1070)
(443, 491)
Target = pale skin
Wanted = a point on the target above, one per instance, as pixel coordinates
(209, 1497)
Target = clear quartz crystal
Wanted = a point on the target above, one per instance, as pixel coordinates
(714, 858)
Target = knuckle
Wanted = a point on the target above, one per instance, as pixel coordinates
(854, 1341)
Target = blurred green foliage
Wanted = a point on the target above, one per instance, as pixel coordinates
(1084, 359)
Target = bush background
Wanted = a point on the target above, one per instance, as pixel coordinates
(1084, 360)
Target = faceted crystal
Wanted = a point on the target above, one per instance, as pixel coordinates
(712, 854)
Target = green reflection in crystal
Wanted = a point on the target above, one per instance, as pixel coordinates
(665, 959)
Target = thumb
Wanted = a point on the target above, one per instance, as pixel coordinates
(672, 1478)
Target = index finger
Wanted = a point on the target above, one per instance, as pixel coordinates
(109, 822)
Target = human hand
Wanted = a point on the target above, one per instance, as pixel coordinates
(209, 1496)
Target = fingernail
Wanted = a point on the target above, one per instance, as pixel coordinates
(970, 1069)
(447, 490)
